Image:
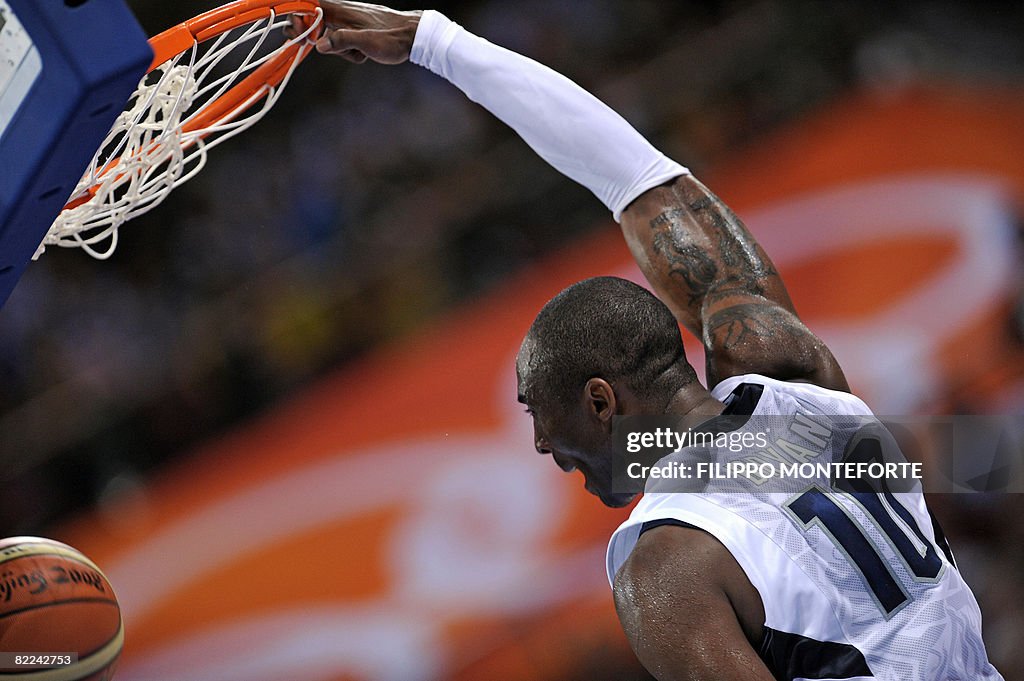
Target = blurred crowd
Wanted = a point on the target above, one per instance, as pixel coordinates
(373, 199)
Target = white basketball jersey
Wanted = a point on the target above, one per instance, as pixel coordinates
(853, 586)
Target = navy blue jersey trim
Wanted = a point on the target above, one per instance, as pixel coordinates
(792, 656)
(739, 407)
(742, 401)
(940, 539)
(651, 524)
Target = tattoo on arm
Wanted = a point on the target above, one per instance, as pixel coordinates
(736, 246)
(730, 328)
(723, 287)
(708, 250)
(766, 339)
(686, 260)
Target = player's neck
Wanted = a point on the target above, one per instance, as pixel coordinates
(693, 400)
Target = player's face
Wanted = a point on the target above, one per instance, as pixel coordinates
(574, 441)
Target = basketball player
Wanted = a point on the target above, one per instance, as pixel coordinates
(817, 585)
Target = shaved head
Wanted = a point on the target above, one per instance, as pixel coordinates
(603, 327)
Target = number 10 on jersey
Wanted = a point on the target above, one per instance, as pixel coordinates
(893, 522)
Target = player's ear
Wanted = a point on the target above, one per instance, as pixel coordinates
(599, 400)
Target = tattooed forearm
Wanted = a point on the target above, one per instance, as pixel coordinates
(706, 248)
(686, 260)
(736, 247)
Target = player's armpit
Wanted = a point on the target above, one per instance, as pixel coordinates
(678, 597)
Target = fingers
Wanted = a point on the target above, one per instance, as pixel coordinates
(341, 40)
(385, 47)
(359, 32)
(328, 45)
(354, 56)
(296, 26)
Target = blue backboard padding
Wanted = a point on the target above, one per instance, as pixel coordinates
(93, 56)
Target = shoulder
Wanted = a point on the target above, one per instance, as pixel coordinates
(686, 580)
(670, 534)
(689, 554)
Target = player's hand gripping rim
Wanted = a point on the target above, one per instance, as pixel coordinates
(359, 31)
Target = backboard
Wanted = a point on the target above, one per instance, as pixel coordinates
(67, 68)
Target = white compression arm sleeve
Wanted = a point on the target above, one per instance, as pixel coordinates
(567, 126)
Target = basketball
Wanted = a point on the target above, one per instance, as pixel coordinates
(55, 602)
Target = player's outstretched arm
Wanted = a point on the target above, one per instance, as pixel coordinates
(694, 251)
(567, 126)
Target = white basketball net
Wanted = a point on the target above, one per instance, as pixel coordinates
(146, 154)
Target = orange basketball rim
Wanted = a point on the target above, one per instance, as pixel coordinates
(211, 77)
(174, 41)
